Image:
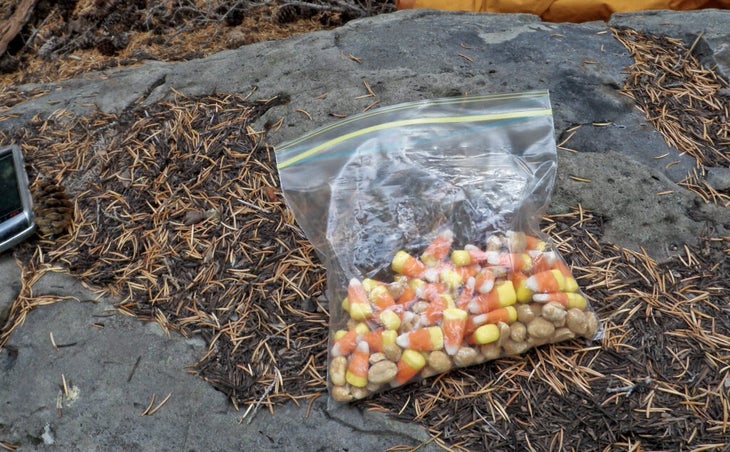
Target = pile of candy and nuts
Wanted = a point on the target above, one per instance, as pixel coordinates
(449, 309)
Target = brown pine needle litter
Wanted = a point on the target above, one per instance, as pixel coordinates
(686, 102)
(178, 215)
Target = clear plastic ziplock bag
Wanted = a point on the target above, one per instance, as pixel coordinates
(426, 216)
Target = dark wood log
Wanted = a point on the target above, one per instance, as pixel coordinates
(10, 27)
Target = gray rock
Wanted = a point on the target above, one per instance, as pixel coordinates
(113, 365)
(9, 284)
(709, 27)
(404, 56)
(719, 178)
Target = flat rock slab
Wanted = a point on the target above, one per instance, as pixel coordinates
(113, 368)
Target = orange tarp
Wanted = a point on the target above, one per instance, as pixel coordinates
(563, 10)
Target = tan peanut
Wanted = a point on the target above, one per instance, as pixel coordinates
(525, 313)
(439, 361)
(540, 328)
(592, 325)
(376, 357)
(515, 348)
(504, 332)
(518, 332)
(392, 352)
(338, 368)
(490, 351)
(359, 393)
(341, 393)
(465, 356)
(576, 320)
(382, 372)
(562, 334)
(554, 312)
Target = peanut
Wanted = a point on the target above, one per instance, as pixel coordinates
(439, 361)
(419, 306)
(540, 328)
(554, 312)
(525, 313)
(341, 393)
(382, 372)
(592, 325)
(377, 357)
(359, 393)
(515, 348)
(504, 331)
(392, 352)
(562, 334)
(490, 351)
(518, 332)
(576, 320)
(466, 356)
(338, 368)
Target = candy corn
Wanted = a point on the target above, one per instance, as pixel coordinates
(507, 315)
(567, 299)
(380, 297)
(379, 338)
(484, 281)
(486, 334)
(410, 363)
(517, 262)
(438, 249)
(360, 308)
(345, 342)
(460, 305)
(407, 265)
(422, 339)
(502, 295)
(522, 293)
(390, 320)
(551, 281)
(453, 326)
(467, 293)
(435, 309)
(357, 369)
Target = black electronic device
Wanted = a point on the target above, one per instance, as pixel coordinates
(16, 205)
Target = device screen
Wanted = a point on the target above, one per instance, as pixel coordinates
(10, 203)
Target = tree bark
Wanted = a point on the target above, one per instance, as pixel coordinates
(10, 27)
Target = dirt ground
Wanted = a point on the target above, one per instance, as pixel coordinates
(60, 40)
(568, 394)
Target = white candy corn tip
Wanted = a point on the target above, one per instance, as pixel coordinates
(541, 297)
(451, 349)
(432, 274)
(403, 341)
(486, 286)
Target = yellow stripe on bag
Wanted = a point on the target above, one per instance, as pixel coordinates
(410, 122)
(406, 106)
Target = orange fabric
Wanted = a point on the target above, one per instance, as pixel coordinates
(563, 10)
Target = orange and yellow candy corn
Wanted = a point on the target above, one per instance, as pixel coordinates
(453, 326)
(411, 362)
(422, 339)
(507, 315)
(359, 305)
(567, 299)
(438, 249)
(407, 265)
(551, 281)
(345, 342)
(380, 297)
(357, 369)
(503, 294)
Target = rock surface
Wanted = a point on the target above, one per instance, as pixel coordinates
(112, 371)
